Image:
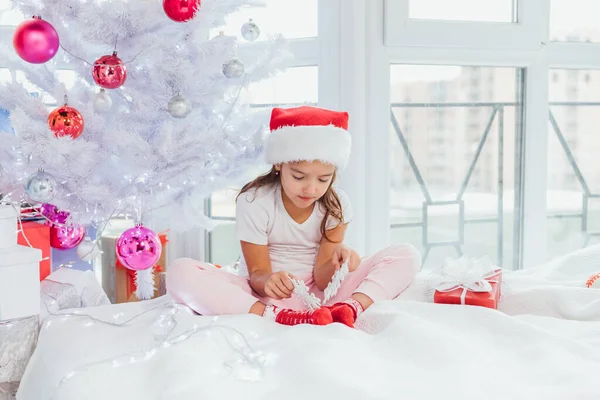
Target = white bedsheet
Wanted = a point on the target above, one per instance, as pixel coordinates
(543, 343)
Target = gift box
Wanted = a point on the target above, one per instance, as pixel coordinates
(70, 288)
(8, 228)
(18, 338)
(19, 282)
(468, 281)
(162, 284)
(119, 282)
(38, 235)
(65, 288)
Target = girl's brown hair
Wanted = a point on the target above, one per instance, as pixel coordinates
(330, 201)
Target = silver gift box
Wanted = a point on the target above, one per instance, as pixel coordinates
(18, 339)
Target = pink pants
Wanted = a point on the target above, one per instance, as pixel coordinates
(209, 290)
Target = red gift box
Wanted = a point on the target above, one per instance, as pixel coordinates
(38, 236)
(463, 295)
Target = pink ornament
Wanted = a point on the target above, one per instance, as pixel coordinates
(181, 10)
(52, 213)
(138, 248)
(49, 211)
(109, 71)
(66, 237)
(36, 41)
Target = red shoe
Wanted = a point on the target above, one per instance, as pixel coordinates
(343, 313)
(346, 312)
(321, 316)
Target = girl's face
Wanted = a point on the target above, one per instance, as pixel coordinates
(305, 182)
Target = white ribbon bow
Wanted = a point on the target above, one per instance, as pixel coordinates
(466, 273)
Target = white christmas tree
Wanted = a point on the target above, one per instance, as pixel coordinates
(154, 120)
(172, 131)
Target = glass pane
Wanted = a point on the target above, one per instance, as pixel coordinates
(463, 10)
(574, 20)
(10, 16)
(293, 87)
(291, 18)
(459, 125)
(573, 147)
(68, 77)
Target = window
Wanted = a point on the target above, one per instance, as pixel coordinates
(452, 69)
(443, 209)
(9, 16)
(574, 193)
(299, 84)
(291, 18)
(490, 24)
(463, 10)
(295, 86)
(574, 21)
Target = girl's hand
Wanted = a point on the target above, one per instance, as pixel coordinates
(341, 254)
(279, 286)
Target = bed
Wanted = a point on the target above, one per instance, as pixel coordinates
(542, 343)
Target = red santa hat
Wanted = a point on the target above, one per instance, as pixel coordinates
(308, 134)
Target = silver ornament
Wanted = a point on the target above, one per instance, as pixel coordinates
(102, 102)
(250, 31)
(179, 107)
(233, 68)
(41, 187)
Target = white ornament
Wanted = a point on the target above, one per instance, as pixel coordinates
(88, 250)
(102, 102)
(233, 68)
(309, 299)
(144, 283)
(41, 187)
(312, 301)
(250, 31)
(336, 281)
(179, 107)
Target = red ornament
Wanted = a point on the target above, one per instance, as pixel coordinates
(66, 121)
(109, 71)
(36, 41)
(181, 10)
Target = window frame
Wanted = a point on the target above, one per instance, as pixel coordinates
(320, 52)
(445, 43)
(357, 42)
(401, 30)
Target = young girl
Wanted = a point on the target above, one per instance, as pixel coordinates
(291, 224)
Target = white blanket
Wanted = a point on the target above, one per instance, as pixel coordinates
(544, 343)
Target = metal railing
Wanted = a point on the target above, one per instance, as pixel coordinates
(497, 112)
(587, 192)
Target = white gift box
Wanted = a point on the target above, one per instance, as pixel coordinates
(19, 282)
(8, 226)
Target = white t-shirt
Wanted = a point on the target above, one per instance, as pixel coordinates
(261, 218)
